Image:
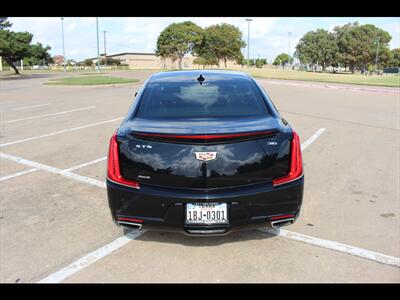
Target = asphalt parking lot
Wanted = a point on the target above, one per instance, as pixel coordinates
(56, 225)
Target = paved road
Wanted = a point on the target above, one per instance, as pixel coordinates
(49, 220)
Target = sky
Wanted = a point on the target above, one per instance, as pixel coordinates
(269, 36)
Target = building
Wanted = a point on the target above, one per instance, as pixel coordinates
(151, 61)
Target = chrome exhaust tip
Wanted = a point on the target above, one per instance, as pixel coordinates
(130, 225)
(282, 222)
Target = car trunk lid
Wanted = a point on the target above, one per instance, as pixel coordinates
(205, 154)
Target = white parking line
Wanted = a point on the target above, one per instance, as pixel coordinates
(90, 258)
(63, 171)
(18, 174)
(120, 242)
(363, 253)
(50, 169)
(107, 249)
(50, 115)
(303, 147)
(59, 132)
(85, 164)
(312, 138)
(30, 106)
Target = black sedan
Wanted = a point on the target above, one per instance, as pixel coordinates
(204, 153)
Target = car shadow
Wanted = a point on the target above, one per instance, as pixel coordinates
(202, 241)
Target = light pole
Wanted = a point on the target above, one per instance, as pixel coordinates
(98, 50)
(289, 46)
(62, 33)
(105, 51)
(377, 51)
(248, 41)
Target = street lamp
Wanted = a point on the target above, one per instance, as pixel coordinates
(248, 41)
(377, 51)
(105, 49)
(62, 33)
(289, 46)
(98, 50)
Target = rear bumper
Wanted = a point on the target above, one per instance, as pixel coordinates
(163, 209)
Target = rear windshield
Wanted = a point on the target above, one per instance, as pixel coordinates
(220, 98)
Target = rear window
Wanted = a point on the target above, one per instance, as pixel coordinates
(220, 98)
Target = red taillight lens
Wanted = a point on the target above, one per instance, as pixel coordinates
(296, 163)
(282, 217)
(131, 220)
(113, 171)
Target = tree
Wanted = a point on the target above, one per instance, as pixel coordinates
(241, 61)
(282, 59)
(384, 58)
(343, 37)
(260, 62)
(173, 56)
(199, 61)
(110, 61)
(14, 46)
(222, 42)
(87, 62)
(205, 61)
(177, 40)
(358, 45)
(251, 62)
(264, 61)
(318, 47)
(71, 62)
(395, 59)
(4, 23)
(38, 55)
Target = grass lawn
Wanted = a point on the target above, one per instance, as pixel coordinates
(93, 73)
(49, 71)
(95, 78)
(385, 80)
(90, 80)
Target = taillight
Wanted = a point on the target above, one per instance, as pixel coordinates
(296, 163)
(114, 171)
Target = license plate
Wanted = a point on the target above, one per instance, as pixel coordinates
(206, 213)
